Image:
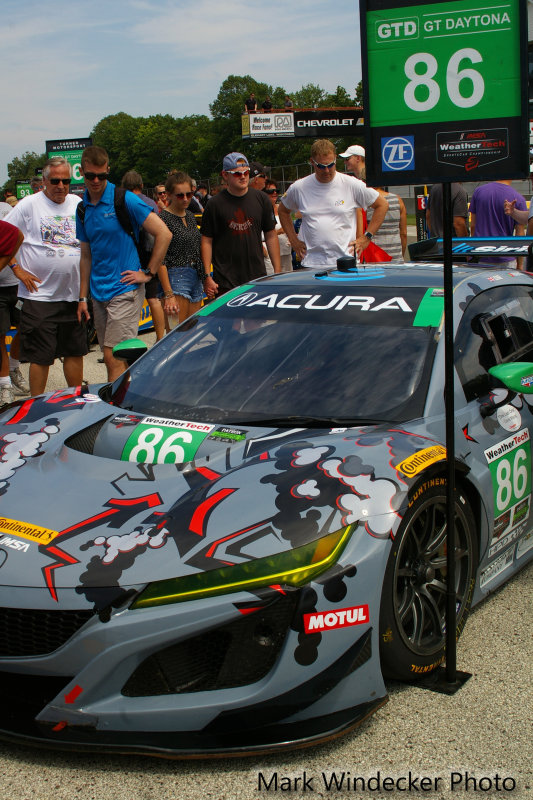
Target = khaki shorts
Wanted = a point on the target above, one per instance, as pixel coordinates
(118, 319)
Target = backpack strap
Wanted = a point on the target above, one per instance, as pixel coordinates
(80, 212)
(121, 210)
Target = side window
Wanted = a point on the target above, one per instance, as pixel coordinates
(496, 328)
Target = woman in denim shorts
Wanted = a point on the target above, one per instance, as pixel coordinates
(183, 262)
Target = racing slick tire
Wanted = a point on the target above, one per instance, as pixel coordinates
(413, 600)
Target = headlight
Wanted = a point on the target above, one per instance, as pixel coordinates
(294, 567)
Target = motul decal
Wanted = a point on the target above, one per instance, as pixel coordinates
(320, 621)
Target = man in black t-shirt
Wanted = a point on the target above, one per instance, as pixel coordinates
(231, 231)
(250, 104)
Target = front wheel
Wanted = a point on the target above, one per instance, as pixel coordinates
(413, 600)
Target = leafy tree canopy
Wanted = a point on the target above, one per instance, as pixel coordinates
(23, 168)
(154, 145)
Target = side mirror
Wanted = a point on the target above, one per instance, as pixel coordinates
(518, 377)
(130, 350)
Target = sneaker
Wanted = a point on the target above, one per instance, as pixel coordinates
(19, 384)
(6, 395)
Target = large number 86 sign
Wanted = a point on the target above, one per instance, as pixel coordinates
(442, 61)
(465, 86)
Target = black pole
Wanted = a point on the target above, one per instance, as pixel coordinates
(451, 625)
(447, 679)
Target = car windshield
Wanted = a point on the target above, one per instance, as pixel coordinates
(277, 359)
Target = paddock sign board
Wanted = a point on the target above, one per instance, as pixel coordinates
(445, 90)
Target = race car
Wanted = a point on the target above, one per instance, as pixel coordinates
(229, 548)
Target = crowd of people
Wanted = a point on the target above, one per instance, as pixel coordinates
(66, 259)
(250, 105)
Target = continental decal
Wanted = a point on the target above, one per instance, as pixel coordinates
(414, 464)
(429, 668)
(27, 531)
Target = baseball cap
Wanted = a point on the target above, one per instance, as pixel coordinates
(354, 150)
(230, 161)
(256, 169)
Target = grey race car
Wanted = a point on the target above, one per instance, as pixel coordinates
(226, 549)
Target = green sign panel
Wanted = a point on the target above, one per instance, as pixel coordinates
(23, 189)
(72, 150)
(445, 87)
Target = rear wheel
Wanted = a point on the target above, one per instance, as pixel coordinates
(413, 601)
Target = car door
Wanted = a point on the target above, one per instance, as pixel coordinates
(495, 424)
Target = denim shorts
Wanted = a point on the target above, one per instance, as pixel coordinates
(185, 282)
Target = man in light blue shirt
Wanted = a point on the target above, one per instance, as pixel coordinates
(109, 262)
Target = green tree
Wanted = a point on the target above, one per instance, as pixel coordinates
(309, 96)
(339, 98)
(153, 151)
(22, 168)
(229, 102)
(117, 133)
(359, 94)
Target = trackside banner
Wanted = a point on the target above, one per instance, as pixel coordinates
(315, 122)
(445, 90)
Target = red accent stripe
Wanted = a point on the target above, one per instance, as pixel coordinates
(204, 508)
(21, 413)
(73, 694)
(211, 550)
(210, 474)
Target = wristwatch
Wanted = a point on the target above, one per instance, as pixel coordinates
(82, 299)
(147, 271)
(369, 235)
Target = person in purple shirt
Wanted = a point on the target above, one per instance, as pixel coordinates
(488, 218)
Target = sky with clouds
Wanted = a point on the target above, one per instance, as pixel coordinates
(69, 64)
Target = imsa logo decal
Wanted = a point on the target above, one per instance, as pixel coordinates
(343, 618)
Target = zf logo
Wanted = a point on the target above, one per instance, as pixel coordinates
(398, 153)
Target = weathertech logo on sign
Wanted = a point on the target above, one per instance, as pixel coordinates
(343, 618)
(415, 464)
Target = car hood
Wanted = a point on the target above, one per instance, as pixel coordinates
(79, 518)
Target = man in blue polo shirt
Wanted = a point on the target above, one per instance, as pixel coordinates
(109, 262)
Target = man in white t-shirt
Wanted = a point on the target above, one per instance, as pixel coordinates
(47, 268)
(327, 201)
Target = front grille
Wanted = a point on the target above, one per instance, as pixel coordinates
(27, 632)
(84, 440)
(236, 654)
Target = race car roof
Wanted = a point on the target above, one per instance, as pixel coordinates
(420, 274)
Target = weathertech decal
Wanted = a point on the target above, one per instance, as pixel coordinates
(414, 464)
(319, 621)
(27, 531)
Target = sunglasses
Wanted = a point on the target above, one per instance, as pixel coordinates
(56, 181)
(181, 195)
(323, 166)
(161, 193)
(239, 173)
(92, 176)
(270, 191)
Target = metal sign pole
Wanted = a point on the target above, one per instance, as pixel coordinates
(451, 600)
(448, 680)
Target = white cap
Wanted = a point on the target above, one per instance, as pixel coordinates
(354, 150)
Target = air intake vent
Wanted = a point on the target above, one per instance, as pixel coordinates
(83, 441)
